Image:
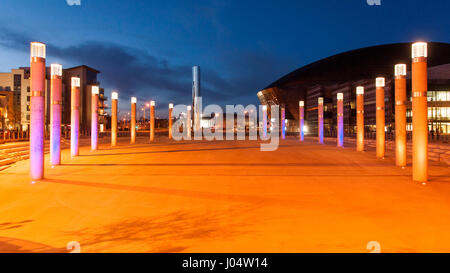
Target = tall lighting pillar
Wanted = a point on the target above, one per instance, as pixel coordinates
(75, 117)
(133, 120)
(55, 113)
(152, 120)
(94, 118)
(320, 119)
(360, 118)
(400, 115)
(380, 116)
(301, 107)
(264, 121)
(37, 108)
(114, 102)
(340, 119)
(419, 111)
(189, 122)
(283, 122)
(170, 119)
(195, 96)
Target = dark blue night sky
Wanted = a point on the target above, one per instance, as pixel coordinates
(147, 48)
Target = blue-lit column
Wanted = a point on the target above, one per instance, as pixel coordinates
(301, 114)
(340, 119)
(320, 119)
(283, 122)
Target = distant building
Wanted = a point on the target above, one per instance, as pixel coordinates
(342, 73)
(18, 83)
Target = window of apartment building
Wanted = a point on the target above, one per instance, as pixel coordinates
(28, 98)
(28, 117)
(28, 89)
(438, 95)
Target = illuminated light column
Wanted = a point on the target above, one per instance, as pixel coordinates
(170, 120)
(55, 113)
(340, 119)
(283, 122)
(320, 119)
(196, 95)
(189, 122)
(360, 118)
(75, 117)
(114, 102)
(420, 111)
(37, 108)
(152, 120)
(264, 121)
(380, 116)
(301, 114)
(400, 115)
(94, 118)
(133, 120)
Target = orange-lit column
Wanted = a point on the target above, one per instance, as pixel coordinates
(75, 117)
(114, 102)
(55, 113)
(340, 119)
(170, 120)
(301, 108)
(133, 120)
(37, 108)
(152, 120)
(360, 118)
(320, 121)
(420, 111)
(400, 115)
(380, 115)
(94, 118)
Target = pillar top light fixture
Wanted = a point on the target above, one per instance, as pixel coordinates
(400, 70)
(359, 90)
(95, 90)
(133, 100)
(301, 103)
(152, 103)
(379, 82)
(320, 100)
(189, 108)
(419, 49)
(56, 70)
(75, 82)
(340, 96)
(37, 50)
(115, 95)
(265, 107)
(170, 105)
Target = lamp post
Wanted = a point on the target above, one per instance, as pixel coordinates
(283, 122)
(170, 120)
(340, 119)
(152, 120)
(94, 118)
(55, 113)
(114, 102)
(37, 108)
(133, 120)
(400, 115)
(420, 111)
(196, 99)
(264, 122)
(360, 118)
(188, 120)
(301, 105)
(75, 117)
(320, 119)
(380, 116)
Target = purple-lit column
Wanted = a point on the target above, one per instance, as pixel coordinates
(301, 113)
(94, 118)
(37, 108)
(283, 122)
(75, 117)
(55, 113)
(114, 102)
(152, 120)
(320, 119)
(340, 119)
(133, 120)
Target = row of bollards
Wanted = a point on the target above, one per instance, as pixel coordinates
(419, 115)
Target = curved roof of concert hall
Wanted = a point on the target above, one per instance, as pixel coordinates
(361, 63)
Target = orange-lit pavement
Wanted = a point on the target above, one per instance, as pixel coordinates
(224, 197)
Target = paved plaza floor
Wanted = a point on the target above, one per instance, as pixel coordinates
(224, 196)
